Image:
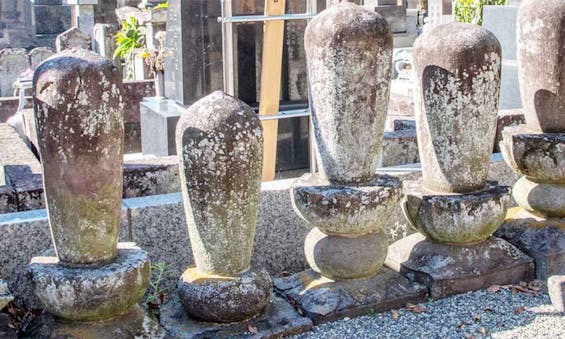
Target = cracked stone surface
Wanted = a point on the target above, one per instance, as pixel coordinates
(322, 299)
(542, 239)
(448, 270)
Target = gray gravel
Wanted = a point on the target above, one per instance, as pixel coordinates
(498, 315)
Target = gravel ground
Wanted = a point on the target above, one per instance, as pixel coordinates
(477, 314)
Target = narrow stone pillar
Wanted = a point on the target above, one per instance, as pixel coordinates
(454, 207)
(83, 14)
(536, 149)
(79, 116)
(219, 144)
(349, 54)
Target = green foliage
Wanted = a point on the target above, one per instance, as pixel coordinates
(471, 11)
(128, 39)
(163, 5)
(157, 293)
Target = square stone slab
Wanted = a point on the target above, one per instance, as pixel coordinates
(322, 299)
(448, 270)
(135, 324)
(540, 238)
(280, 319)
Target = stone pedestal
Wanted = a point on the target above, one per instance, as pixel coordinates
(349, 52)
(322, 299)
(447, 269)
(134, 324)
(455, 209)
(279, 319)
(79, 116)
(543, 239)
(159, 119)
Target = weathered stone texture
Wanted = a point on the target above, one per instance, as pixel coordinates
(87, 293)
(448, 270)
(73, 38)
(13, 62)
(349, 52)
(352, 209)
(219, 142)
(38, 55)
(458, 81)
(324, 300)
(461, 219)
(79, 118)
(541, 45)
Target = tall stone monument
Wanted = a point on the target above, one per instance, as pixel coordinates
(349, 53)
(219, 144)
(453, 207)
(79, 116)
(536, 150)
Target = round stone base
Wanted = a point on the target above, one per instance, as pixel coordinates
(539, 156)
(547, 200)
(94, 292)
(456, 219)
(353, 209)
(225, 299)
(338, 258)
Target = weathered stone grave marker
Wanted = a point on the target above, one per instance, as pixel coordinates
(220, 149)
(454, 207)
(13, 62)
(79, 117)
(536, 150)
(349, 53)
(73, 38)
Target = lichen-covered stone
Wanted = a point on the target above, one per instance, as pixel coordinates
(217, 298)
(79, 118)
(541, 45)
(340, 257)
(87, 293)
(220, 148)
(448, 270)
(538, 156)
(349, 53)
(457, 219)
(556, 289)
(350, 210)
(540, 198)
(458, 82)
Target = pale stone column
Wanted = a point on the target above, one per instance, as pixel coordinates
(220, 148)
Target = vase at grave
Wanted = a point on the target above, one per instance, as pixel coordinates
(350, 68)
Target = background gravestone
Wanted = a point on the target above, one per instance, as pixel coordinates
(13, 62)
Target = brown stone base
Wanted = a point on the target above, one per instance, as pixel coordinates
(448, 270)
(323, 300)
(135, 324)
(279, 319)
(540, 238)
